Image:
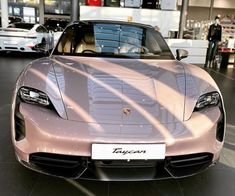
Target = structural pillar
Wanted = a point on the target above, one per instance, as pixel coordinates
(211, 9)
(41, 11)
(75, 10)
(4, 13)
(183, 17)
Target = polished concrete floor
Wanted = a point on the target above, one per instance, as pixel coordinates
(15, 180)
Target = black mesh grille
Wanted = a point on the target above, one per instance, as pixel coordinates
(60, 165)
(179, 166)
(83, 167)
(126, 164)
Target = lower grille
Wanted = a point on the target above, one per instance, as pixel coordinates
(125, 164)
(133, 170)
(185, 165)
(68, 166)
(59, 165)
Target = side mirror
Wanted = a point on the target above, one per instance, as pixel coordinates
(181, 54)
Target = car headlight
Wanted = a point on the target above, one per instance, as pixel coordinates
(30, 95)
(207, 100)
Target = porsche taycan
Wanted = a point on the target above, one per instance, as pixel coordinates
(112, 102)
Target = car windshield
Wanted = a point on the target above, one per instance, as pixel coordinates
(26, 26)
(113, 40)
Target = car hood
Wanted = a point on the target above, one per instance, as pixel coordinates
(121, 91)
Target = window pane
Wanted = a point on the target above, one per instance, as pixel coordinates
(57, 7)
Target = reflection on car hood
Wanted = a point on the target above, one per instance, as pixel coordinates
(121, 91)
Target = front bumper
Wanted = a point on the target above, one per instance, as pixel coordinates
(76, 167)
(62, 148)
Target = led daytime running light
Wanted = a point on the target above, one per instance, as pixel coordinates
(210, 99)
(30, 95)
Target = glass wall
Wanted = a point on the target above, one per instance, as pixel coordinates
(57, 7)
(27, 2)
(28, 10)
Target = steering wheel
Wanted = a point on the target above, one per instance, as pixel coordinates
(138, 50)
(89, 51)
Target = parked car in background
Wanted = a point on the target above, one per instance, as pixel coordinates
(113, 103)
(24, 36)
(56, 26)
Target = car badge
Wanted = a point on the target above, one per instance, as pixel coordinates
(126, 111)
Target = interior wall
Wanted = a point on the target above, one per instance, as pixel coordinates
(202, 13)
(201, 3)
(224, 4)
(217, 11)
(206, 3)
(198, 13)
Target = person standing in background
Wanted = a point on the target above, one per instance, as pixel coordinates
(214, 37)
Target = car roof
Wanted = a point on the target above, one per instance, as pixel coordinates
(23, 25)
(112, 22)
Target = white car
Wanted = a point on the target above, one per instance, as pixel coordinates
(24, 36)
(57, 27)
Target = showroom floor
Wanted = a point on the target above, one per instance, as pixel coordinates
(19, 181)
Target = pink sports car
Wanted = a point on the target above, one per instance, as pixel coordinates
(112, 103)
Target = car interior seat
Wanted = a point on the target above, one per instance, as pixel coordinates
(65, 43)
(87, 43)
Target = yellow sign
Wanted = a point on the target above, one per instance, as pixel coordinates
(129, 19)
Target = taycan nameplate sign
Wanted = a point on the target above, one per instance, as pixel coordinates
(128, 151)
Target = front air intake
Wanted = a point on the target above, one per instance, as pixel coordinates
(220, 128)
(60, 165)
(19, 122)
(185, 165)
